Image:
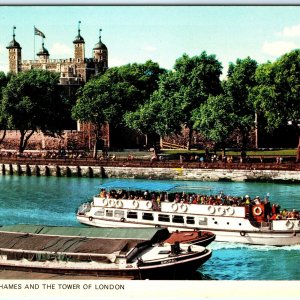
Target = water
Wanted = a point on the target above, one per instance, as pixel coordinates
(54, 201)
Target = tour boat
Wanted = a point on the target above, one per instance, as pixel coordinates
(230, 223)
(138, 253)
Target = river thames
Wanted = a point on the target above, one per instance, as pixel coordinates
(54, 201)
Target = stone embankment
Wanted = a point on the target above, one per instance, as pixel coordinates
(152, 170)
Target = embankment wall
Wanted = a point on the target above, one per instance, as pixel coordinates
(152, 173)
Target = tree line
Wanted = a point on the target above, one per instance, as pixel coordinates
(158, 102)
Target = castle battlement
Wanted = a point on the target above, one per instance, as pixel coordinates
(49, 61)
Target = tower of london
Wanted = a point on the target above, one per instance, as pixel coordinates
(73, 71)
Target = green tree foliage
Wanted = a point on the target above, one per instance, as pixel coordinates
(180, 92)
(216, 120)
(193, 80)
(155, 118)
(238, 86)
(3, 119)
(277, 95)
(33, 101)
(119, 90)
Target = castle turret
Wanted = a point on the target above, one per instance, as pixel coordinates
(14, 54)
(79, 47)
(43, 53)
(100, 55)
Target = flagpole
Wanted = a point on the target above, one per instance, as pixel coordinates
(33, 42)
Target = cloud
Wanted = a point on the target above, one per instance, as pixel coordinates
(292, 31)
(148, 48)
(61, 50)
(116, 62)
(4, 67)
(278, 48)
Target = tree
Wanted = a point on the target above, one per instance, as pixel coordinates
(33, 101)
(155, 118)
(216, 120)
(278, 91)
(3, 119)
(193, 80)
(238, 86)
(108, 97)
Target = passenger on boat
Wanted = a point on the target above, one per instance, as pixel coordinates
(257, 200)
(103, 193)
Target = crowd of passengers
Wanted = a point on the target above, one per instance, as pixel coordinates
(271, 212)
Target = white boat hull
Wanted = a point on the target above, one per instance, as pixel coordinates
(269, 238)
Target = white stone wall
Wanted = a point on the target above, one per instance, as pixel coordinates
(153, 173)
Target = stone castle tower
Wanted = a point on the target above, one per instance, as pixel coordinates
(14, 55)
(73, 71)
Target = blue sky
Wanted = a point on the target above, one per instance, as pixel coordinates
(160, 33)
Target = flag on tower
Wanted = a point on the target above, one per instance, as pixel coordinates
(38, 32)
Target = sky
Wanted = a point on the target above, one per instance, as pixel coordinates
(160, 33)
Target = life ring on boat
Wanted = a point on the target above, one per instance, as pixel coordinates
(122, 219)
(242, 233)
(289, 224)
(211, 209)
(148, 204)
(221, 211)
(119, 203)
(174, 206)
(230, 210)
(183, 207)
(257, 211)
(111, 202)
(105, 202)
(91, 219)
(135, 203)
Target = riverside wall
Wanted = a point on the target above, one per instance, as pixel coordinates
(200, 174)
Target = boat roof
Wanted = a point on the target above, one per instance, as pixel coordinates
(139, 185)
(152, 234)
(86, 241)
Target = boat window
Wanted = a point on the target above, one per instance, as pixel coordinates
(163, 218)
(177, 219)
(132, 215)
(119, 213)
(99, 212)
(190, 220)
(109, 212)
(202, 221)
(148, 216)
